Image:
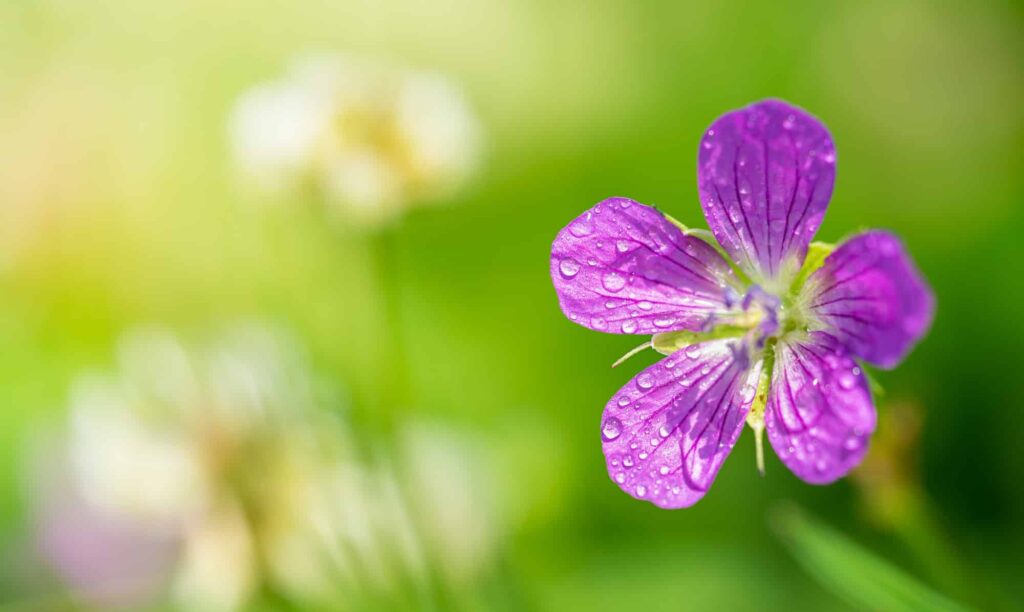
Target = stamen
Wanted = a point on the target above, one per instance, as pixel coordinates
(643, 346)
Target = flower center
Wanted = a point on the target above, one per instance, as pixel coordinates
(760, 312)
(753, 319)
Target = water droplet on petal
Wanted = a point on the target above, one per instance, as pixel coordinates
(598, 323)
(663, 470)
(852, 443)
(664, 431)
(620, 478)
(611, 429)
(664, 321)
(623, 401)
(613, 281)
(622, 246)
(627, 461)
(581, 227)
(628, 327)
(645, 305)
(641, 490)
(693, 351)
(847, 380)
(569, 267)
(645, 381)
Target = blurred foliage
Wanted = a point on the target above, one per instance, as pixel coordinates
(119, 206)
(864, 580)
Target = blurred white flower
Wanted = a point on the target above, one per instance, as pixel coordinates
(371, 139)
(205, 476)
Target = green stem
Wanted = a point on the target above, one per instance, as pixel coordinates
(394, 389)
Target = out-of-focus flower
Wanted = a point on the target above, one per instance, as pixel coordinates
(187, 458)
(759, 324)
(206, 476)
(372, 139)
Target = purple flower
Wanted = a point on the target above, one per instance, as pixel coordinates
(763, 327)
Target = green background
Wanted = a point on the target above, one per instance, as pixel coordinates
(112, 123)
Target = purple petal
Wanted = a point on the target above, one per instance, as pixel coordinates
(870, 296)
(667, 432)
(621, 267)
(765, 175)
(819, 414)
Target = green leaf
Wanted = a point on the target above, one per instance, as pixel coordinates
(851, 572)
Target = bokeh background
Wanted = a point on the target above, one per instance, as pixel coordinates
(459, 403)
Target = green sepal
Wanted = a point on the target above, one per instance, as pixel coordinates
(877, 390)
(669, 342)
(816, 254)
(674, 222)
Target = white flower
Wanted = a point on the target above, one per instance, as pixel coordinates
(370, 138)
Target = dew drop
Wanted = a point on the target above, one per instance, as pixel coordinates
(643, 455)
(628, 326)
(645, 305)
(569, 267)
(664, 321)
(847, 380)
(693, 351)
(664, 431)
(641, 490)
(852, 443)
(663, 470)
(582, 227)
(644, 381)
(598, 323)
(620, 478)
(627, 461)
(611, 429)
(613, 281)
(623, 401)
(622, 246)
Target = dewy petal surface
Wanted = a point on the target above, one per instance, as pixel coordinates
(667, 432)
(621, 267)
(765, 174)
(870, 296)
(819, 414)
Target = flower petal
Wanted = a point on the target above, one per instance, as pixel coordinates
(819, 414)
(765, 174)
(621, 267)
(667, 432)
(870, 296)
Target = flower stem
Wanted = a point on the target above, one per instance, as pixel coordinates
(394, 385)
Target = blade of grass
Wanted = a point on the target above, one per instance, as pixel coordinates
(851, 572)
